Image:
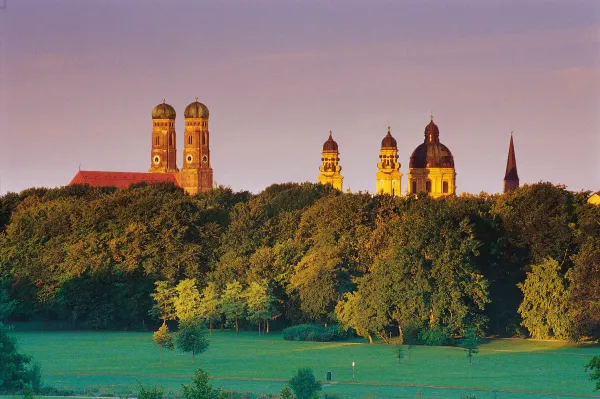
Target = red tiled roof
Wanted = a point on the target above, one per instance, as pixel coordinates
(119, 179)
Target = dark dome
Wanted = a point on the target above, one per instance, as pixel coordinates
(432, 153)
(196, 110)
(330, 144)
(389, 141)
(163, 111)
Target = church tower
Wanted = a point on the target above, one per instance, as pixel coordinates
(511, 177)
(196, 173)
(431, 167)
(389, 178)
(164, 151)
(330, 167)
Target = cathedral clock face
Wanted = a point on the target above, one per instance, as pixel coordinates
(156, 159)
(189, 159)
(205, 159)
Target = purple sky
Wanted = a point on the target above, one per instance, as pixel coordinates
(78, 80)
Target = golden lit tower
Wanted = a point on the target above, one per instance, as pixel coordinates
(196, 174)
(164, 150)
(511, 177)
(330, 167)
(431, 167)
(389, 178)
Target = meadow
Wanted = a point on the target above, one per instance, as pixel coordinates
(105, 363)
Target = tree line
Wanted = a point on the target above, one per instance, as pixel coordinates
(521, 263)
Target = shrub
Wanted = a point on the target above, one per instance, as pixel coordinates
(201, 388)
(304, 384)
(150, 393)
(437, 336)
(313, 332)
(35, 377)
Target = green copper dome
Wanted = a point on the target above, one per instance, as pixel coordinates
(196, 110)
(163, 111)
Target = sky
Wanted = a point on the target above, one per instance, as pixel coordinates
(79, 79)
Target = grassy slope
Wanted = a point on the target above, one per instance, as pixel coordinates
(117, 360)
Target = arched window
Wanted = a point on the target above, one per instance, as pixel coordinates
(445, 187)
(203, 138)
(414, 187)
(428, 186)
(157, 140)
(170, 139)
(190, 139)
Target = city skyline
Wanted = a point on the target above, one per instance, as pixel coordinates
(77, 85)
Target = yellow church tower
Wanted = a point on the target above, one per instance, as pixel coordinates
(196, 175)
(431, 167)
(389, 178)
(330, 167)
(164, 151)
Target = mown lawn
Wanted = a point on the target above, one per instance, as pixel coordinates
(107, 362)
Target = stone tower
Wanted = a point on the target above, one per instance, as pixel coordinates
(511, 177)
(330, 167)
(388, 177)
(431, 167)
(196, 174)
(164, 150)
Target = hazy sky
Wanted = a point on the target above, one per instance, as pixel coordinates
(78, 80)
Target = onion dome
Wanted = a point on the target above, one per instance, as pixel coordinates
(330, 144)
(432, 153)
(196, 110)
(389, 141)
(163, 111)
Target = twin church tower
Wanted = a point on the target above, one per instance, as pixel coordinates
(196, 175)
(431, 167)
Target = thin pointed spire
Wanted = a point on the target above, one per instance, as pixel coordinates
(511, 177)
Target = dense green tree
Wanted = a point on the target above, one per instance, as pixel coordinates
(191, 337)
(14, 370)
(7, 305)
(357, 312)
(538, 217)
(233, 303)
(319, 282)
(545, 306)
(304, 384)
(584, 289)
(594, 368)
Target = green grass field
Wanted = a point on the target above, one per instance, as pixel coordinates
(108, 362)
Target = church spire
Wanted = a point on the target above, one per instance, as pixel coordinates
(511, 177)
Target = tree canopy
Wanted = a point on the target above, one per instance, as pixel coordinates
(104, 258)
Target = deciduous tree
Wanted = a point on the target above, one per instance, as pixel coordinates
(545, 306)
(163, 339)
(191, 337)
(233, 303)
